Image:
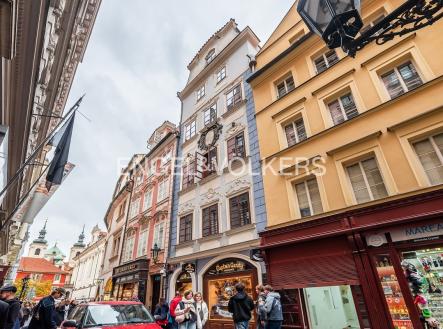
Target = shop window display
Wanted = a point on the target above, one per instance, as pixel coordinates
(183, 283)
(391, 289)
(424, 272)
(331, 307)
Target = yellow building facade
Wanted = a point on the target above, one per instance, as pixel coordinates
(352, 157)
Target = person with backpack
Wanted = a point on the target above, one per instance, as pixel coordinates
(44, 313)
(172, 306)
(7, 294)
(202, 310)
(161, 314)
(186, 312)
(273, 309)
(241, 306)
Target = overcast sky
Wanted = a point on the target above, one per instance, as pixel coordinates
(133, 67)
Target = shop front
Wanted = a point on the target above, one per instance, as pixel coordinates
(219, 286)
(130, 281)
(408, 263)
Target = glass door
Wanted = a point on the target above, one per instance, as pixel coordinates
(392, 292)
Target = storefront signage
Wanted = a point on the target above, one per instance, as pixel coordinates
(125, 268)
(188, 267)
(417, 232)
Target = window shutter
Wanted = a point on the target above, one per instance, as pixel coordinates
(336, 112)
(392, 84)
(349, 106)
(358, 183)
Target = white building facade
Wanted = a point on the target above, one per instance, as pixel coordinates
(87, 264)
(213, 227)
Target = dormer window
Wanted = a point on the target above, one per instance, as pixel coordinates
(200, 92)
(210, 56)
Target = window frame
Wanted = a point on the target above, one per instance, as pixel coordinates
(435, 148)
(212, 114)
(235, 100)
(220, 75)
(163, 190)
(183, 233)
(338, 97)
(142, 232)
(190, 129)
(157, 237)
(201, 92)
(304, 181)
(396, 71)
(188, 176)
(230, 204)
(214, 224)
(147, 205)
(208, 163)
(294, 127)
(134, 205)
(284, 81)
(210, 56)
(323, 56)
(236, 155)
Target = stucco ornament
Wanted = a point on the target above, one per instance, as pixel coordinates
(210, 195)
(238, 185)
(188, 206)
(234, 129)
(209, 136)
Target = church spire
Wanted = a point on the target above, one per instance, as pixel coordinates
(42, 234)
(81, 239)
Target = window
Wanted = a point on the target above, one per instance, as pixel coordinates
(239, 210)
(37, 252)
(210, 56)
(210, 220)
(116, 245)
(200, 92)
(295, 132)
(430, 154)
(121, 209)
(166, 157)
(236, 147)
(134, 208)
(401, 79)
(147, 200)
(371, 24)
(158, 235)
(366, 180)
(342, 109)
(138, 178)
(163, 190)
(57, 278)
(325, 61)
(142, 243)
(188, 174)
(153, 168)
(129, 247)
(233, 97)
(308, 197)
(185, 228)
(285, 86)
(221, 74)
(210, 114)
(209, 162)
(190, 130)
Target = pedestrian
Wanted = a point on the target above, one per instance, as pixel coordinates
(241, 306)
(161, 313)
(202, 310)
(3, 313)
(185, 312)
(7, 294)
(273, 309)
(44, 312)
(26, 310)
(259, 306)
(61, 311)
(172, 306)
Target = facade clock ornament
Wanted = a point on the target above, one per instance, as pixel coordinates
(209, 136)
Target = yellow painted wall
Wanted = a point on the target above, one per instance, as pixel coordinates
(401, 171)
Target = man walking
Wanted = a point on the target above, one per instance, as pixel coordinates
(7, 294)
(273, 309)
(241, 306)
(44, 314)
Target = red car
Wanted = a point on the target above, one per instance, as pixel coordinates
(110, 315)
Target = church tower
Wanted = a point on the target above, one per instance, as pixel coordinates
(38, 247)
(78, 247)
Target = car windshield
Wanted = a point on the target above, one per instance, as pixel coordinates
(106, 314)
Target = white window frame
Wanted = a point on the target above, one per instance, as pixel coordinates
(129, 248)
(342, 109)
(436, 150)
(134, 209)
(57, 278)
(190, 129)
(201, 92)
(221, 74)
(292, 122)
(157, 238)
(207, 114)
(147, 202)
(308, 195)
(284, 81)
(140, 245)
(163, 190)
(166, 157)
(328, 65)
(399, 77)
(210, 56)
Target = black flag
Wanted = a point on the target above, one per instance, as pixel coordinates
(62, 141)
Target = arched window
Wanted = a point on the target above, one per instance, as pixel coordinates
(210, 56)
(77, 253)
(37, 252)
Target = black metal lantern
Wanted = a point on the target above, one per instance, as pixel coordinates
(154, 253)
(336, 21)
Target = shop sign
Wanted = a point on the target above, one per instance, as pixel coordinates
(376, 240)
(188, 267)
(125, 268)
(417, 232)
(227, 267)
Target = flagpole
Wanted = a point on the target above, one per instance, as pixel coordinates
(39, 147)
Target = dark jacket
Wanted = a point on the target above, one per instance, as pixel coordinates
(14, 307)
(44, 315)
(3, 313)
(162, 311)
(241, 306)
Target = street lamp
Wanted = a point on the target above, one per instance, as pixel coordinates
(25, 282)
(338, 21)
(154, 253)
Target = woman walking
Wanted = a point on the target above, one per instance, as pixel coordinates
(186, 313)
(202, 310)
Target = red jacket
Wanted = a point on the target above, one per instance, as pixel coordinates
(173, 305)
